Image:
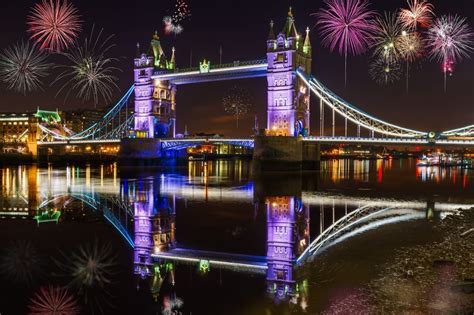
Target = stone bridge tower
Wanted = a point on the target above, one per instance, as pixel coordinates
(155, 101)
(288, 98)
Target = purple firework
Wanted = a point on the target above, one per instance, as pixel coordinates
(346, 25)
(450, 39)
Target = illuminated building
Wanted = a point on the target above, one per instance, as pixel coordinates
(288, 97)
(155, 100)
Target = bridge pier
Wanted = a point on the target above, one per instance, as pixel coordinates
(285, 154)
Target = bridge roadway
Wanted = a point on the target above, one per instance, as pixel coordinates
(237, 262)
(181, 143)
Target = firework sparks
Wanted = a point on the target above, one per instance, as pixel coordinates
(171, 27)
(173, 23)
(419, 13)
(91, 73)
(22, 67)
(92, 268)
(181, 12)
(53, 300)
(387, 31)
(346, 25)
(236, 103)
(54, 24)
(20, 262)
(384, 71)
(449, 40)
(411, 48)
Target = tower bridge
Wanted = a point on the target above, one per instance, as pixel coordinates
(290, 87)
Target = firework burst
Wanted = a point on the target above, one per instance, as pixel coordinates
(387, 31)
(419, 13)
(53, 300)
(384, 71)
(236, 103)
(181, 12)
(22, 67)
(54, 24)
(449, 40)
(346, 25)
(171, 27)
(91, 73)
(20, 262)
(411, 48)
(92, 268)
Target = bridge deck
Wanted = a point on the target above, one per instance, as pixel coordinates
(249, 263)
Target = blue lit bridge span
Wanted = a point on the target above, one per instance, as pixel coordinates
(116, 124)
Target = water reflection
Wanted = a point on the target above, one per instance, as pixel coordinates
(151, 213)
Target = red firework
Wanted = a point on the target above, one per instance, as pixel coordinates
(54, 24)
(53, 300)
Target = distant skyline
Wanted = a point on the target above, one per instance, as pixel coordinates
(241, 28)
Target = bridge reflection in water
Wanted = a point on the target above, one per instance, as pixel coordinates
(143, 210)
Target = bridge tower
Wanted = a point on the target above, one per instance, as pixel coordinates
(288, 98)
(280, 243)
(155, 100)
(143, 205)
(144, 119)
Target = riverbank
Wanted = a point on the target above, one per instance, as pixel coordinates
(431, 278)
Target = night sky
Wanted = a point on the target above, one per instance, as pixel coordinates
(241, 27)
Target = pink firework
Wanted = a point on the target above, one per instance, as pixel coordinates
(419, 13)
(54, 24)
(53, 300)
(449, 40)
(346, 25)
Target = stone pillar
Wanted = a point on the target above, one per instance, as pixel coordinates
(278, 153)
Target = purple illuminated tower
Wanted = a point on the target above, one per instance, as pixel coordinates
(288, 97)
(155, 100)
(144, 120)
(143, 215)
(280, 243)
(287, 238)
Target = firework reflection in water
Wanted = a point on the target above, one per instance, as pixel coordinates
(53, 300)
(92, 268)
(20, 263)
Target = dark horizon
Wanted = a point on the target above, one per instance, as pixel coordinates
(242, 32)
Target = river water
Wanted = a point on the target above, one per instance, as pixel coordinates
(82, 236)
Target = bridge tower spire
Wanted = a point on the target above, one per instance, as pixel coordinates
(288, 97)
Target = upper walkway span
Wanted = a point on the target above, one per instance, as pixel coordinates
(206, 73)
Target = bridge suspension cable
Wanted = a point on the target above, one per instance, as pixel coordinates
(467, 131)
(100, 129)
(353, 114)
